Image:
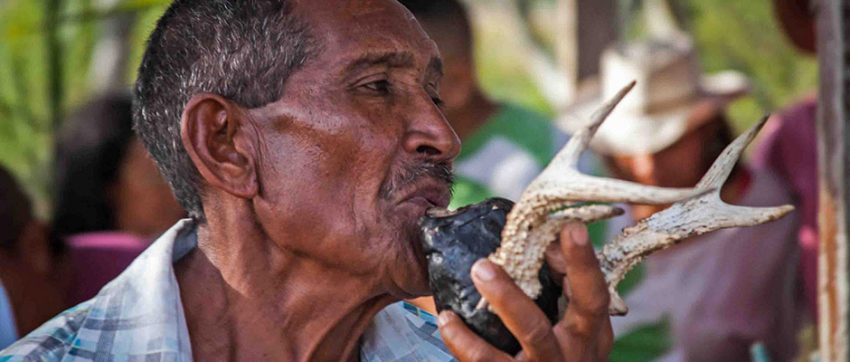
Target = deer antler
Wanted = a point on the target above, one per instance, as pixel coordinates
(529, 228)
(531, 225)
(684, 219)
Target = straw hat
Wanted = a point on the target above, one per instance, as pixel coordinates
(670, 98)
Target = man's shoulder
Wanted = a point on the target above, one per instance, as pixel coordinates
(50, 342)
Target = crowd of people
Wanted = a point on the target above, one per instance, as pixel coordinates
(282, 166)
(110, 204)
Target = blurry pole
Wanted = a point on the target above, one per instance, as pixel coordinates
(110, 61)
(595, 27)
(833, 156)
(584, 28)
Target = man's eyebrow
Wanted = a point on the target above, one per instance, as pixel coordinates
(389, 59)
(435, 66)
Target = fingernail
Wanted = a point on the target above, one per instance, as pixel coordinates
(443, 318)
(578, 233)
(483, 270)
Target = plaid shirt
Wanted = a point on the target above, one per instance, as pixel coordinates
(139, 317)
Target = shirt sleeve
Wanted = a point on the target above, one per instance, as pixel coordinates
(8, 331)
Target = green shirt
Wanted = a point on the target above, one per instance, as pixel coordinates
(506, 153)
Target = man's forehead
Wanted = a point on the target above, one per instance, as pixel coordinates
(370, 25)
(365, 7)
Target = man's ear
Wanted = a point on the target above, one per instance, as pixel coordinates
(217, 138)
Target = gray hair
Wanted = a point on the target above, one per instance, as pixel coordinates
(242, 50)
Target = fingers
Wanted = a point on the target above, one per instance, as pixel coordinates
(589, 293)
(555, 261)
(605, 340)
(465, 344)
(518, 312)
(586, 327)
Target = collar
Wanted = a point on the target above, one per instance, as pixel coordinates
(140, 313)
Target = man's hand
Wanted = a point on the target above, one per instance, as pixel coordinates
(584, 334)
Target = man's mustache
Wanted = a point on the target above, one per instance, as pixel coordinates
(411, 173)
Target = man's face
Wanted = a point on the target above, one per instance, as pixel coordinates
(679, 165)
(357, 149)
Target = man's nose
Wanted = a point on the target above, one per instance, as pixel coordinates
(429, 133)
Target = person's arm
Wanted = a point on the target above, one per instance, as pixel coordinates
(584, 333)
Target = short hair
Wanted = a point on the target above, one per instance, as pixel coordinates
(15, 211)
(90, 148)
(450, 16)
(242, 50)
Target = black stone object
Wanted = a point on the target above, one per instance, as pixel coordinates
(453, 241)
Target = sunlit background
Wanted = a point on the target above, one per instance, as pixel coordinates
(55, 54)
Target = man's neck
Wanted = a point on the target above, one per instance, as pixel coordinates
(470, 117)
(246, 299)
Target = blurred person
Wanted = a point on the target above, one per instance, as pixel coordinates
(111, 201)
(714, 296)
(788, 147)
(505, 146)
(30, 285)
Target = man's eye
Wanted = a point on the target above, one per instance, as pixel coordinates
(378, 86)
(438, 101)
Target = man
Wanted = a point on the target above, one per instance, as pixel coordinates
(504, 146)
(715, 296)
(788, 147)
(305, 140)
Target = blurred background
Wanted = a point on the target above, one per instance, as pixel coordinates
(541, 56)
(57, 54)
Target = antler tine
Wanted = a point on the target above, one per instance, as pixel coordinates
(723, 165)
(559, 185)
(682, 220)
(569, 156)
(561, 181)
(574, 186)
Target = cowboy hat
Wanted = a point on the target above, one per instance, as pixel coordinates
(671, 96)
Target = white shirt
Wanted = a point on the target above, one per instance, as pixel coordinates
(139, 316)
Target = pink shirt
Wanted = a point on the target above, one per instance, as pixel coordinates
(98, 257)
(789, 150)
(721, 292)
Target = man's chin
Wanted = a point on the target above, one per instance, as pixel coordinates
(411, 278)
(407, 271)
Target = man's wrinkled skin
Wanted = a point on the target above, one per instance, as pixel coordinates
(312, 204)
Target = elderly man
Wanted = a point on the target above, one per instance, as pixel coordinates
(305, 139)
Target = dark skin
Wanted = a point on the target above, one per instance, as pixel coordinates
(298, 212)
(465, 105)
(467, 108)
